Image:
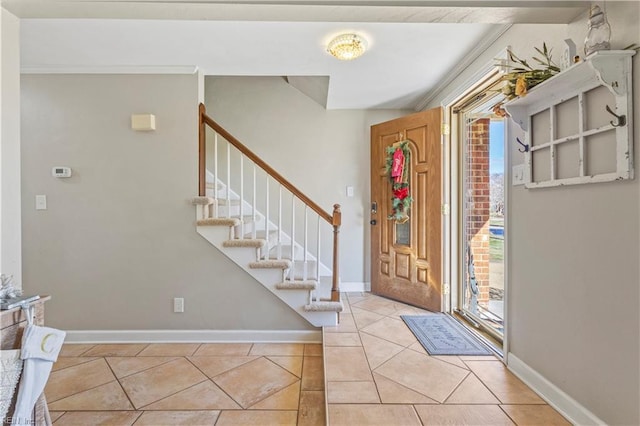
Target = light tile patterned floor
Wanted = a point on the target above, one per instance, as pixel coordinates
(188, 384)
(379, 374)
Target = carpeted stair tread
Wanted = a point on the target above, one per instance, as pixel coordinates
(246, 242)
(324, 307)
(270, 264)
(202, 201)
(223, 221)
(297, 285)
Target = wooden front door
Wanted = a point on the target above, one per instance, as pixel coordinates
(406, 257)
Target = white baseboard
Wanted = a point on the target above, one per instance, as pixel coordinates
(193, 336)
(571, 409)
(354, 286)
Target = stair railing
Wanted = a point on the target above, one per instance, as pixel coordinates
(334, 219)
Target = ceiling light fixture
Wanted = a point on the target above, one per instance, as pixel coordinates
(347, 47)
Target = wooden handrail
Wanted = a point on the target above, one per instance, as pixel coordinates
(334, 219)
(205, 119)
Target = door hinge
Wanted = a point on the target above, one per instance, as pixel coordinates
(445, 129)
(445, 209)
(445, 288)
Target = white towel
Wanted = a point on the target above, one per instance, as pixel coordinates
(40, 348)
(41, 343)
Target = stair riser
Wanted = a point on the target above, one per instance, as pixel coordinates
(317, 317)
(242, 256)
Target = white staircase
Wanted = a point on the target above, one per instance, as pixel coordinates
(250, 230)
(285, 268)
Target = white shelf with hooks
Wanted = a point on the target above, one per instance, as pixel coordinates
(576, 132)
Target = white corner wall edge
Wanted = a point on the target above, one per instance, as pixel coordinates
(571, 409)
(193, 336)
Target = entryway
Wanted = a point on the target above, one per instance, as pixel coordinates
(478, 195)
(408, 253)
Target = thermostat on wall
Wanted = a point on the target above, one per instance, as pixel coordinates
(61, 172)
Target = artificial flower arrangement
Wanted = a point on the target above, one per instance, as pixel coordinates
(397, 169)
(523, 77)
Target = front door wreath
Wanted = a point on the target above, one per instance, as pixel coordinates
(397, 169)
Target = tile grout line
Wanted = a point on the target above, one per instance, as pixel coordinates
(87, 350)
(212, 381)
(484, 384)
(142, 408)
(121, 387)
(137, 418)
(74, 365)
(324, 375)
(139, 355)
(140, 371)
(415, 410)
(140, 351)
(507, 414)
(84, 390)
(444, 401)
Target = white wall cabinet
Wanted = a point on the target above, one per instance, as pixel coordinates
(578, 124)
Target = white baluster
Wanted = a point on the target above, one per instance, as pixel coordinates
(215, 170)
(266, 218)
(280, 222)
(318, 254)
(228, 179)
(293, 236)
(304, 272)
(241, 196)
(253, 203)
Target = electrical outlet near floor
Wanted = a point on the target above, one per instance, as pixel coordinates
(178, 304)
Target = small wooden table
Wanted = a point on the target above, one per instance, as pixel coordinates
(12, 323)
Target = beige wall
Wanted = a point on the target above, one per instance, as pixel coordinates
(118, 240)
(10, 250)
(573, 259)
(320, 151)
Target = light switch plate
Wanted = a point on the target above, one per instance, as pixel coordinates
(349, 191)
(41, 202)
(517, 175)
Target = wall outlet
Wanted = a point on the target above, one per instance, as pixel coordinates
(178, 304)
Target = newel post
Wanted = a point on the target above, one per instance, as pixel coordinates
(336, 222)
(202, 151)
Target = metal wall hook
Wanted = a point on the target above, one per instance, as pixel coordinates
(622, 119)
(524, 145)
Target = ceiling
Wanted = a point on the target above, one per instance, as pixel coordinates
(413, 45)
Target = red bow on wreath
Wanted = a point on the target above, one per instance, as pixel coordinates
(401, 193)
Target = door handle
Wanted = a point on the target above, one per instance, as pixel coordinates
(373, 222)
(374, 207)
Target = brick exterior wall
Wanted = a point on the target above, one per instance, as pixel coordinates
(478, 205)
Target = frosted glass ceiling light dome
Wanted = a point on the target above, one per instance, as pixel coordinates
(347, 47)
